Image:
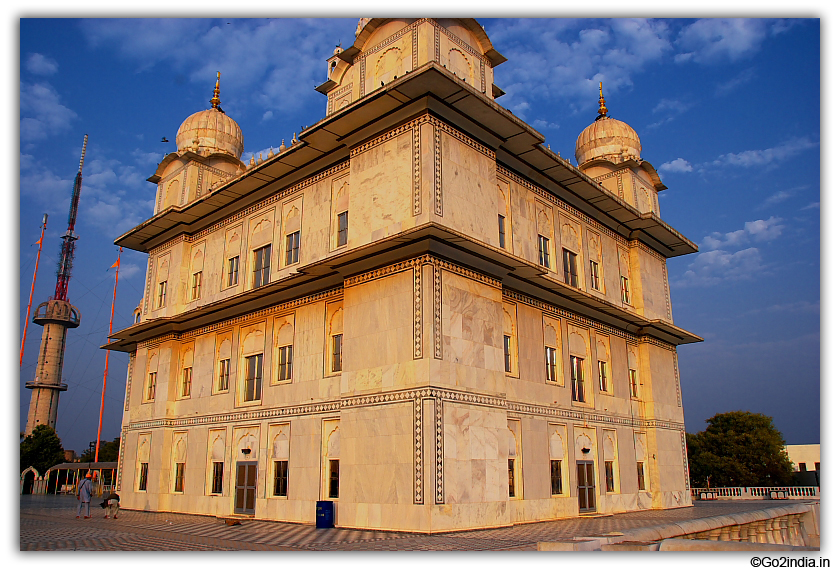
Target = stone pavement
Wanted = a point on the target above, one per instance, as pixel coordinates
(49, 523)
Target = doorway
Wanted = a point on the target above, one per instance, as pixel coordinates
(246, 487)
(586, 486)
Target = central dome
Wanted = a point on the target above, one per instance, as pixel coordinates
(607, 139)
(210, 131)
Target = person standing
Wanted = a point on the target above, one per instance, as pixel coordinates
(112, 505)
(83, 494)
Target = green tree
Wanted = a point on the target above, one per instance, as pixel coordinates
(41, 450)
(738, 449)
(108, 451)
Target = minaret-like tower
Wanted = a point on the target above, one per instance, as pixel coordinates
(56, 316)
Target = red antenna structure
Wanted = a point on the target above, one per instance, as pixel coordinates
(68, 246)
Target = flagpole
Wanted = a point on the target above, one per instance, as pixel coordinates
(107, 354)
(32, 291)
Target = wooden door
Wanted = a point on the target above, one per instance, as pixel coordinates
(586, 486)
(246, 487)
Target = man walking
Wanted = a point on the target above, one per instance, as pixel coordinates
(83, 494)
(112, 505)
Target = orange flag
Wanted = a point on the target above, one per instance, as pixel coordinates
(116, 264)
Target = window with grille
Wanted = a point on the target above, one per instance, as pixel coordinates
(144, 476)
(333, 481)
(545, 260)
(550, 364)
(556, 477)
(336, 352)
(151, 386)
(511, 478)
(508, 361)
(284, 368)
(253, 378)
(179, 477)
(196, 286)
(577, 379)
(625, 290)
(634, 384)
(640, 472)
(262, 266)
(595, 275)
(224, 375)
(233, 271)
(161, 296)
(610, 477)
(570, 275)
(186, 382)
(292, 248)
(281, 479)
(603, 381)
(342, 229)
(218, 473)
(501, 231)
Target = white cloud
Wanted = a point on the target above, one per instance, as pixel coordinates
(767, 156)
(712, 40)
(267, 115)
(795, 307)
(780, 196)
(542, 124)
(129, 270)
(38, 64)
(758, 230)
(676, 165)
(41, 112)
(765, 230)
(744, 77)
(811, 206)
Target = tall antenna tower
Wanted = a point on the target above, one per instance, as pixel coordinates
(56, 316)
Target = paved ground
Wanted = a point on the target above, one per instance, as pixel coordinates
(49, 523)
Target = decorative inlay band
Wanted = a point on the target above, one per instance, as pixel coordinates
(323, 295)
(546, 195)
(438, 308)
(389, 40)
(647, 339)
(418, 451)
(685, 460)
(647, 249)
(455, 40)
(131, 358)
(414, 49)
(677, 380)
(437, 42)
(405, 127)
(416, 174)
(362, 77)
(336, 95)
(439, 496)
(475, 145)
(438, 173)
(149, 280)
(121, 456)
(418, 311)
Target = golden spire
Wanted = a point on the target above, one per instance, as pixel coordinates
(215, 100)
(602, 109)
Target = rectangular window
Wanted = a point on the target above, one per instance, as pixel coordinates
(336, 352)
(556, 477)
(551, 364)
(508, 361)
(281, 478)
(284, 369)
(218, 472)
(151, 386)
(186, 382)
(608, 472)
(817, 466)
(196, 286)
(233, 271)
(595, 275)
(625, 290)
(603, 383)
(570, 276)
(253, 377)
(577, 379)
(634, 384)
(640, 472)
(292, 248)
(144, 476)
(262, 266)
(545, 260)
(803, 468)
(161, 296)
(511, 478)
(179, 477)
(333, 482)
(501, 231)
(342, 229)
(224, 375)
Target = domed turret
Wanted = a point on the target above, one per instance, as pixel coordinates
(211, 131)
(607, 139)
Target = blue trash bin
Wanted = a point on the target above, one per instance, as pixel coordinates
(324, 514)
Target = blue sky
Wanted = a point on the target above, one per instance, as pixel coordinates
(727, 110)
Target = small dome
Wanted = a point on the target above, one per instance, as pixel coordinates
(211, 131)
(608, 139)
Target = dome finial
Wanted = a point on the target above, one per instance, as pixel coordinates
(602, 108)
(215, 101)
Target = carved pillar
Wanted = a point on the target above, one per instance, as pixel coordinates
(783, 530)
(714, 534)
(777, 531)
(725, 534)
